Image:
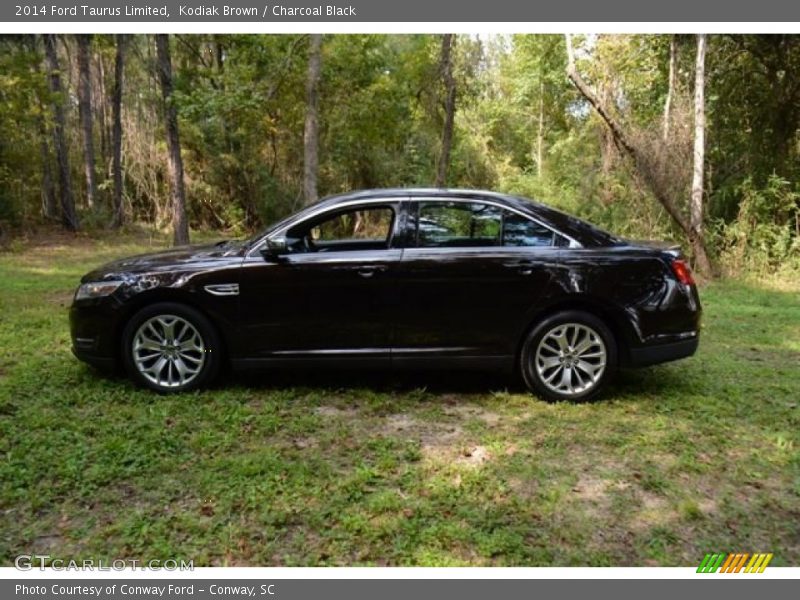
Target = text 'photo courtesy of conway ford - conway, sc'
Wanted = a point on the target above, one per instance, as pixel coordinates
(418, 278)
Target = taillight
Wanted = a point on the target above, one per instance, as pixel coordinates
(682, 271)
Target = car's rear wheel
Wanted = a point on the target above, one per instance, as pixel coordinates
(170, 347)
(571, 355)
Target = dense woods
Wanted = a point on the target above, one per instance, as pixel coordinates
(682, 137)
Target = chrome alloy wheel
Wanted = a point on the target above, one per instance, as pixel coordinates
(168, 351)
(570, 359)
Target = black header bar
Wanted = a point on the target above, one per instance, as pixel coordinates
(439, 11)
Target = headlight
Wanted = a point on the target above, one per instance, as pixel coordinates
(97, 289)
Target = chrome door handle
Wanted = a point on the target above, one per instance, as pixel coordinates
(524, 268)
(367, 272)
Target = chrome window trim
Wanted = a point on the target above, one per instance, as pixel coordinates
(322, 210)
(573, 243)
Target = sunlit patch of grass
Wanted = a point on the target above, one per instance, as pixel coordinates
(420, 469)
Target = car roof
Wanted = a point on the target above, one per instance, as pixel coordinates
(421, 192)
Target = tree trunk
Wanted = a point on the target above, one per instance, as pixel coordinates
(85, 113)
(311, 133)
(49, 209)
(180, 223)
(101, 98)
(696, 205)
(673, 59)
(643, 166)
(49, 202)
(446, 63)
(540, 132)
(69, 218)
(116, 132)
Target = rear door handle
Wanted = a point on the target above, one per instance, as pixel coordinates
(525, 269)
(521, 267)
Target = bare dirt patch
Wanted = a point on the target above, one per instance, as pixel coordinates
(490, 417)
(474, 456)
(438, 440)
(653, 510)
(472, 411)
(400, 422)
(335, 411)
(593, 494)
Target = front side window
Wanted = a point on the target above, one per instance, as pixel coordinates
(475, 224)
(360, 228)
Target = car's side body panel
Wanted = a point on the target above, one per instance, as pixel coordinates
(467, 301)
(97, 325)
(402, 304)
(633, 290)
(319, 305)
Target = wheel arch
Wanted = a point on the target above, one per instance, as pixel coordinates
(614, 318)
(150, 297)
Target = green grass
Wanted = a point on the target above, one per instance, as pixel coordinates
(439, 469)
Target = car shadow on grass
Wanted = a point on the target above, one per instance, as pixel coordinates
(651, 381)
(380, 381)
(626, 383)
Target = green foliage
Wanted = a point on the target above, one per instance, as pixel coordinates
(22, 90)
(765, 236)
(520, 127)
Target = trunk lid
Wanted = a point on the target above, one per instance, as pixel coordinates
(671, 248)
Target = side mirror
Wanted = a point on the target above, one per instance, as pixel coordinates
(275, 248)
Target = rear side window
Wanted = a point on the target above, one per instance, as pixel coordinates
(475, 224)
(519, 231)
(458, 224)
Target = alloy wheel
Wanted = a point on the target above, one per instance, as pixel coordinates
(168, 351)
(570, 359)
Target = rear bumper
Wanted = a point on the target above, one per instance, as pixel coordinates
(661, 353)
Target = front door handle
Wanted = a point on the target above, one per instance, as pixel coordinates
(369, 271)
(525, 270)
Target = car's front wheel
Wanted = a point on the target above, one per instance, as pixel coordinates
(170, 347)
(571, 355)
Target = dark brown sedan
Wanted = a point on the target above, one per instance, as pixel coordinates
(399, 278)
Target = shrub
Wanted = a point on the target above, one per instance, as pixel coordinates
(765, 236)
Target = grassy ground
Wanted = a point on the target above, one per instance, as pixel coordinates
(678, 460)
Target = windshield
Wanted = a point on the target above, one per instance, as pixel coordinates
(284, 221)
(270, 228)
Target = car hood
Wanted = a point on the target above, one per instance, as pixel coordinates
(182, 258)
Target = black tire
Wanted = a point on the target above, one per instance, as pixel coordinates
(209, 356)
(569, 321)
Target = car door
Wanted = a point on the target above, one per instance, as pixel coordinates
(328, 295)
(470, 277)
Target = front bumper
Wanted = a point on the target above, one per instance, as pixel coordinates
(104, 363)
(661, 353)
(93, 328)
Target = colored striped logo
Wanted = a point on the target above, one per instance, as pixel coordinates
(734, 563)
